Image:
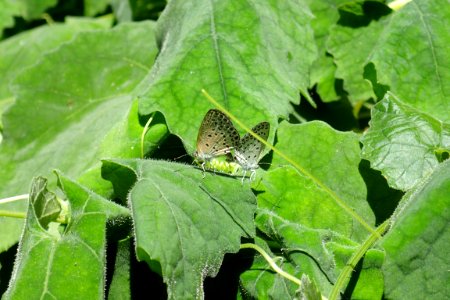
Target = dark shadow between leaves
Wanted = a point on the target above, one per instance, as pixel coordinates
(360, 14)
(226, 284)
(370, 73)
(7, 259)
(382, 199)
(338, 114)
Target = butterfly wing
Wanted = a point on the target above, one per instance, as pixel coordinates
(216, 136)
(249, 149)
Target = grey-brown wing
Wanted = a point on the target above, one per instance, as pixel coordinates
(249, 149)
(217, 135)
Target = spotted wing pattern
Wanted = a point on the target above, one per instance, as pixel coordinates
(248, 151)
(216, 136)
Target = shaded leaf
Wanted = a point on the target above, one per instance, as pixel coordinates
(32, 9)
(320, 254)
(58, 275)
(322, 73)
(417, 244)
(44, 203)
(10, 8)
(351, 43)
(184, 223)
(120, 284)
(406, 145)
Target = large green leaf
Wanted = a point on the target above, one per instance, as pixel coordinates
(416, 246)
(319, 253)
(403, 143)
(45, 266)
(184, 223)
(319, 214)
(322, 73)
(409, 50)
(247, 55)
(331, 161)
(21, 51)
(10, 8)
(66, 104)
(33, 9)
(412, 56)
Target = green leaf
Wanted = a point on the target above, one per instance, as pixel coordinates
(184, 223)
(406, 145)
(411, 60)
(261, 282)
(318, 253)
(335, 196)
(21, 51)
(322, 72)
(351, 43)
(414, 60)
(45, 205)
(308, 290)
(64, 110)
(33, 9)
(10, 8)
(94, 7)
(124, 141)
(120, 284)
(246, 55)
(417, 245)
(45, 265)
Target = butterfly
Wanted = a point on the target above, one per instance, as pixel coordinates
(217, 136)
(249, 149)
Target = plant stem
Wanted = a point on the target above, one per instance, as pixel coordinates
(14, 198)
(13, 214)
(345, 274)
(274, 266)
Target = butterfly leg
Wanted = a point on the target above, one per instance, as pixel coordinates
(252, 175)
(243, 176)
(203, 168)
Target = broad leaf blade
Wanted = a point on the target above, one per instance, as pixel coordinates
(412, 57)
(185, 223)
(45, 265)
(78, 102)
(409, 49)
(416, 246)
(21, 51)
(246, 55)
(403, 143)
(331, 161)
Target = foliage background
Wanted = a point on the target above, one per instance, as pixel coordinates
(357, 96)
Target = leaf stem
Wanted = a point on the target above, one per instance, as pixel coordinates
(144, 132)
(13, 214)
(345, 274)
(272, 263)
(294, 164)
(14, 198)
